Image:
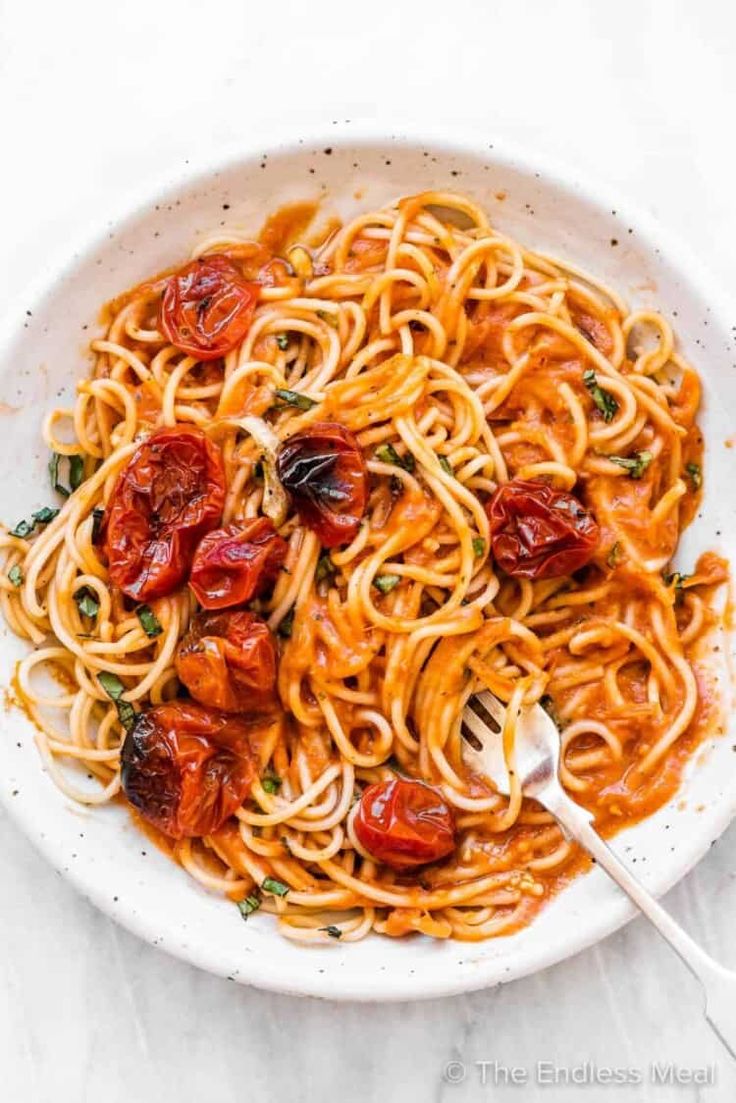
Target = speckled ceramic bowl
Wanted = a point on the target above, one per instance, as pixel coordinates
(43, 354)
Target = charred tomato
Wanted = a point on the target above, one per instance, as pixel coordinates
(235, 563)
(227, 661)
(169, 495)
(186, 769)
(539, 532)
(404, 823)
(207, 307)
(324, 471)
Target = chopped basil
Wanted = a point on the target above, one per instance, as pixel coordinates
(386, 582)
(114, 689)
(675, 581)
(605, 401)
(126, 714)
(249, 905)
(293, 398)
(325, 568)
(328, 317)
(111, 684)
(332, 931)
(446, 465)
(45, 515)
(40, 517)
(54, 475)
(635, 465)
(479, 546)
(87, 602)
(282, 341)
(278, 888)
(76, 473)
(98, 516)
(614, 554)
(271, 783)
(388, 454)
(287, 624)
(149, 621)
(695, 472)
(15, 575)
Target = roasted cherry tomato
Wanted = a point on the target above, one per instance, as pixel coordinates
(170, 494)
(234, 564)
(207, 307)
(539, 532)
(323, 469)
(228, 661)
(404, 824)
(186, 769)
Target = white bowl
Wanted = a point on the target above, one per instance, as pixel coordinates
(43, 354)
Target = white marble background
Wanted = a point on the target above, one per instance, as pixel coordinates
(96, 98)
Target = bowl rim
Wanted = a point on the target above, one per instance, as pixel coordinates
(290, 140)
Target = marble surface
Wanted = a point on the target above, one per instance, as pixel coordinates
(97, 99)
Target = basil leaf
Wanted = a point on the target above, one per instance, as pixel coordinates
(614, 554)
(271, 783)
(114, 689)
(332, 931)
(328, 317)
(249, 905)
(386, 453)
(325, 568)
(386, 582)
(54, 475)
(446, 465)
(285, 627)
(278, 888)
(293, 398)
(41, 517)
(15, 575)
(23, 529)
(479, 546)
(282, 341)
(675, 581)
(149, 621)
(87, 602)
(635, 465)
(695, 472)
(76, 473)
(111, 684)
(605, 401)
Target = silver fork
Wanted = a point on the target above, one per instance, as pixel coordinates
(537, 754)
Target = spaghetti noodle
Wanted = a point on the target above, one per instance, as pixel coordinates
(319, 494)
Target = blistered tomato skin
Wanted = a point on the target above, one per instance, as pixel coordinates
(539, 532)
(169, 495)
(323, 469)
(404, 824)
(227, 661)
(235, 563)
(207, 307)
(186, 769)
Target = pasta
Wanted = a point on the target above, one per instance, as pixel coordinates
(319, 491)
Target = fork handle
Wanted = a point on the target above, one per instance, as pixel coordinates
(718, 984)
